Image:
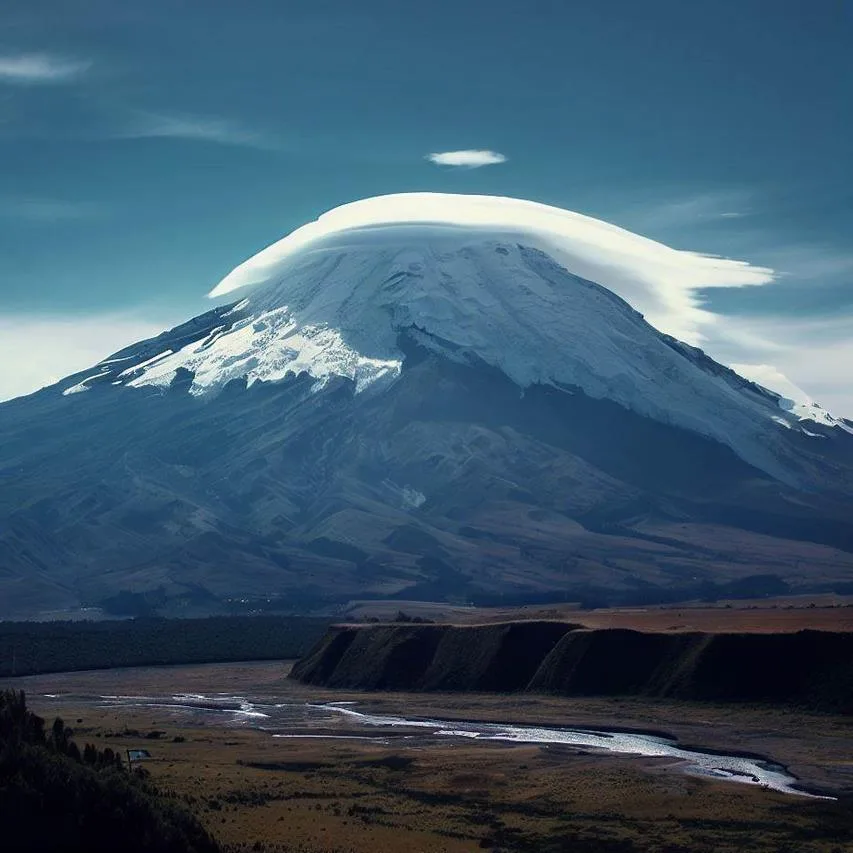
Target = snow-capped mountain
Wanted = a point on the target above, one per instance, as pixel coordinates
(336, 305)
(427, 371)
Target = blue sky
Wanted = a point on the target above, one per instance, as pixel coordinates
(146, 149)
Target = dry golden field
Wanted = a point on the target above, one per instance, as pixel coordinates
(772, 615)
(256, 792)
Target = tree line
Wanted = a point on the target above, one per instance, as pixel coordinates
(28, 648)
(55, 796)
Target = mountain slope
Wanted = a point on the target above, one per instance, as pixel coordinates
(415, 411)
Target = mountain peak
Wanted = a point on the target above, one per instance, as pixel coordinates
(337, 304)
(656, 279)
(422, 408)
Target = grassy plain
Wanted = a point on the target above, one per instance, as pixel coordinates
(255, 792)
(766, 616)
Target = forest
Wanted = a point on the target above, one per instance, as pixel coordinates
(56, 796)
(29, 648)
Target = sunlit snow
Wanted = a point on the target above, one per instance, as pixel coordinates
(267, 347)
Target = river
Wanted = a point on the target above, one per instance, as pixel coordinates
(349, 720)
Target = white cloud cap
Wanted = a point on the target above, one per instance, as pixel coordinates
(661, 282)
(470, 158)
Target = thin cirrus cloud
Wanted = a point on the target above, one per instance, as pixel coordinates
(151, 125)
(47, 210)
(684, 211)
(40, 68)
(468, 158)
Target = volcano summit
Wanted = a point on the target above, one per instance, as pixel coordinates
(426, 396)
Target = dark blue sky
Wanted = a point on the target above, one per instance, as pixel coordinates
(146, 149)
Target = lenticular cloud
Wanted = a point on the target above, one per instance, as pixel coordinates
(659, 281)
(470, 158)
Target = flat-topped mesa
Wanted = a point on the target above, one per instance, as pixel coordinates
(807, 668)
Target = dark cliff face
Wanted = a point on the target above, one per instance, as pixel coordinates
(811, 669)
(449, 485)
(502, 657)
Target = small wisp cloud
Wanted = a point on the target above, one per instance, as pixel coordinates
(469, 158)
(148, 125)
(40, 68)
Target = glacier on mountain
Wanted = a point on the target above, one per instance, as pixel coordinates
(497, 282)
